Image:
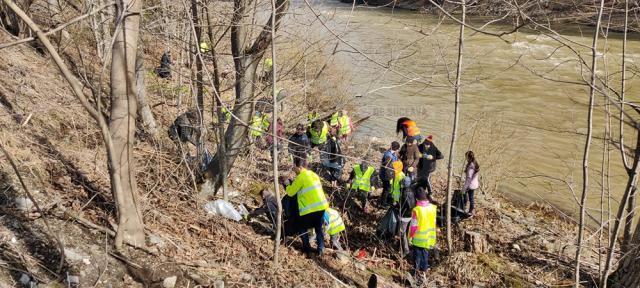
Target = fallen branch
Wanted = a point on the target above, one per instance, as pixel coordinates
(35, 204)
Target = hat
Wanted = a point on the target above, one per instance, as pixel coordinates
(409, 139)
(430, 138)
(397, 166)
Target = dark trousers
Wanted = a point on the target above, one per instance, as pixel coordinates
(312, 220)
(386, 187)
(421, 258)
(424, 181)
(472, 202)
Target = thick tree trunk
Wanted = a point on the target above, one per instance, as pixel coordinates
(122, 125)
(148, 121)
(11, 21)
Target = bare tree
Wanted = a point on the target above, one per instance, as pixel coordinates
(274, 125)
(118, 134)
(456, 113)
(587, 146)
(246, 57)
(122, 123)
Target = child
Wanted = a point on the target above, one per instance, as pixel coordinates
(334, 224)
(423, 232)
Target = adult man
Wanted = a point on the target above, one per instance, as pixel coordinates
(299, 147)
(398, 183)
(427, 164)
(334, 160)
(423, 232)
(386, 171)
(318, 133)
(361, 178)
(312, 204)
(269, 207)
(410, 156)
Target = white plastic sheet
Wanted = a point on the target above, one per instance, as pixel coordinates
(222, 208)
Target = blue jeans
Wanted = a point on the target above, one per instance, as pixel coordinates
(421, 258)
(472, 202)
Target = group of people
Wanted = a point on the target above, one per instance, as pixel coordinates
(404, 175)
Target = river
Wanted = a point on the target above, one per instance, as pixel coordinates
(528, 132)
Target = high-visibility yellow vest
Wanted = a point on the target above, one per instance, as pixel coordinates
(425, 236)
(395, 186)
(226, 113)
(259, 124)
(311, 196)
(268, 64)
(362, 181)
(345, 125)
(319, 137)
(336, 225)
(204, 47)
(334, 119)
(311, 117)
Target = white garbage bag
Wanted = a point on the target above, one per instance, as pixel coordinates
(222, 208)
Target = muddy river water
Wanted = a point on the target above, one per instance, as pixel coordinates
(520, 110)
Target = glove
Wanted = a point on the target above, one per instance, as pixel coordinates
(429, 157)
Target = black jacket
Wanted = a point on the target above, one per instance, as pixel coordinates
(301, 147)
(334, 150)
(426, 166)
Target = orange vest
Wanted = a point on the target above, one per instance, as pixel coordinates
(412, 128)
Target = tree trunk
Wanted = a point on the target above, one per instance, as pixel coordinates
(587, 146)
(122, 125)
(246, 58)
(627, 274)
(11, 21)
(148, 122)
(452, 148)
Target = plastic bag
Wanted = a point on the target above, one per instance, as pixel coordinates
(222, 208)
(243, 210)
(388, 226)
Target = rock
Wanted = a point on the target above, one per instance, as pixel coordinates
(342, 257)
(475, 242)
(86, 261)
(74, 255)
(479, 285)
(218, 284)
(169, 282)
(25, 279)
(24, 204)
(516, 247)
(360, 265)
(201, 263)
(247, 278)
(156, 240)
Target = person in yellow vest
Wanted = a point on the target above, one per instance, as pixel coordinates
(204, 47)
(333, 121)
(312, 204)
(318, 133)
(335, 225)
(361, 181)
(259, 124)
(267, 66)
(398, 182)
(422, 234)
(312, 117)
(344, 125)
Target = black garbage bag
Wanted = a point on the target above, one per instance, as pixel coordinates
(388, 226)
